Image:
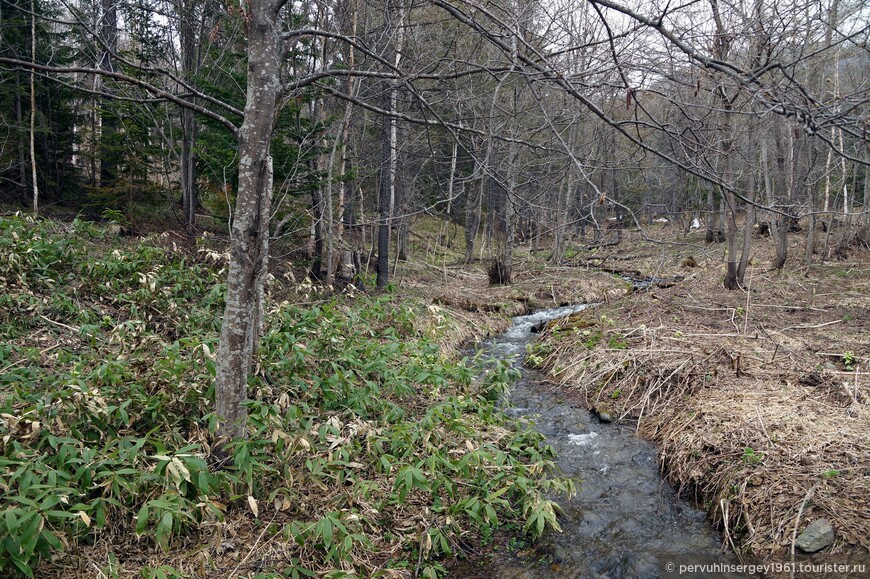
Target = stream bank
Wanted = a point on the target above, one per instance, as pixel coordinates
(625, 521)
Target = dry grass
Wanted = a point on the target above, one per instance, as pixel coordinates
(758, 399)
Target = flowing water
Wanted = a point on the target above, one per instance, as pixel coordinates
(626, 521)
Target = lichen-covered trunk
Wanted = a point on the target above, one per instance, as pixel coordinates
(249, 244)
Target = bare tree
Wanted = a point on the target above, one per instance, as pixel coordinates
(249, 243)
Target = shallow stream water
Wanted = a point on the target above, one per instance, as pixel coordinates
(626, 521)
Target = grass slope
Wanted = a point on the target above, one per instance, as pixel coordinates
(370, 452)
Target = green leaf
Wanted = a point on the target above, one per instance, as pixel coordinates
(489, 513)
(142, 519)
(324, 529)
(22, 566)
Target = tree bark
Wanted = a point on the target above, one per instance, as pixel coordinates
(189, 193)
(384, 208)
(749, 223)
(22, 160)
(33, 108)
(473, 205)
(249, 244)
(710, 232)
(387, 191)
(108, 122)
(563, 208)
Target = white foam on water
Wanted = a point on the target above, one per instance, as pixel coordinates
(582, 439)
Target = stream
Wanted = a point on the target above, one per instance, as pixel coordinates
(625, 521)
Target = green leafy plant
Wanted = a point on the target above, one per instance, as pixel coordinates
(849, 360)
(115, 421)
(114, 216)
(750, 456)
(617, 343)
(592, 338)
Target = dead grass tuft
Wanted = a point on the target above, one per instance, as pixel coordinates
(758, 399)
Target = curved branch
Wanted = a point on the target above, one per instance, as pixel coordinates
(156, 91)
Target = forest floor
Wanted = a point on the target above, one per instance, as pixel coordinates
(758, 399)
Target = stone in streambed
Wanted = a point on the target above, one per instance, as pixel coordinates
(818, 535)
(604, 414)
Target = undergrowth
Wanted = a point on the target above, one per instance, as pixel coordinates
(367, 449)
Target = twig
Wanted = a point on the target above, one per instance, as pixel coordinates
(723, 505)
(763, 428)
(705, 309)
(709, 336)
(24, 360)
(253, 547)
(50, 321)
(793, 308)
(748, 297)
(797, 523)
(852, 395)
(733, 323)
(810, 327)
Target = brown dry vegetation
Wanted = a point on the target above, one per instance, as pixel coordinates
(758, 399)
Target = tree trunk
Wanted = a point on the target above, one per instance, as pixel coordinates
(473, 204)
(108, 121)
(866, 199)
(317, 216)
(562, 221)
(249, 244)
(710, 233)
(33, 108)
(189, 192)
(387, 191)
(749, 223)
(778, 223)
(384, 209)
(22, 161)
(731, 281)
